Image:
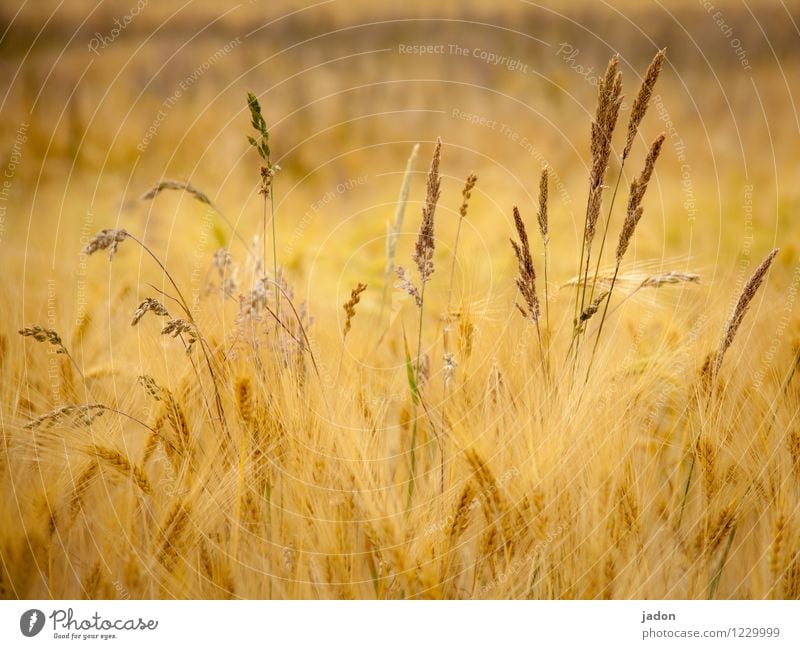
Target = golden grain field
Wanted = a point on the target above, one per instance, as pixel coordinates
(480, 310)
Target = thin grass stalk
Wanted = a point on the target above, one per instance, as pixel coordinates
(608, 102)
(274, 249)
(637, 115)
(542, 218)
(712, 588)
(605, 231)
(413, 455)
(602, 322)
(109, 239)
(423, 257)
(201, 197)
(203, 345)
(466, 193)
(397, 225)
(350, 313)
(609, 99)
(526, 283)
(632, 217)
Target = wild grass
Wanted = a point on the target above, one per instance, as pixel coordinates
(263, 459)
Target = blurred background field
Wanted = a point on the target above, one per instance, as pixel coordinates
(94, 114)
(93, 117)
(343, 104)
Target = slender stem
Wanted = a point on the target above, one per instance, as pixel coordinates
(185, 305)
(605, 230)
(341, 358)
(445, 338)
(599, 260)
(547, 309)
(578, 284)
(141, 423)
(686, 487)
(302, 330)
(182, 300)
(542, 354)
(577, 331)
(264, 233)
(694, 455)
(585, 277)
(602, 321)
(74, 364)
(546, 292)
(274, 246)
(712, 588)
(413, 456)
(453, 265)
(419, 335)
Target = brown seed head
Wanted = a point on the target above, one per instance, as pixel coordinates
(542, 213)
(424, 249)
(466, 193)
(407, 285)
(106, 239)
(638, 189)
(176, 185)
(608, 103)
(749, 292)
(590, 310)
(526, 279)
(148, 304)
(642, 99)
(350, 306)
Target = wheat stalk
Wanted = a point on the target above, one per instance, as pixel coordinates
(466, 194)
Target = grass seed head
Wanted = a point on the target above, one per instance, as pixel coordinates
(107, 239)
(426, 244)
(643, 98)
